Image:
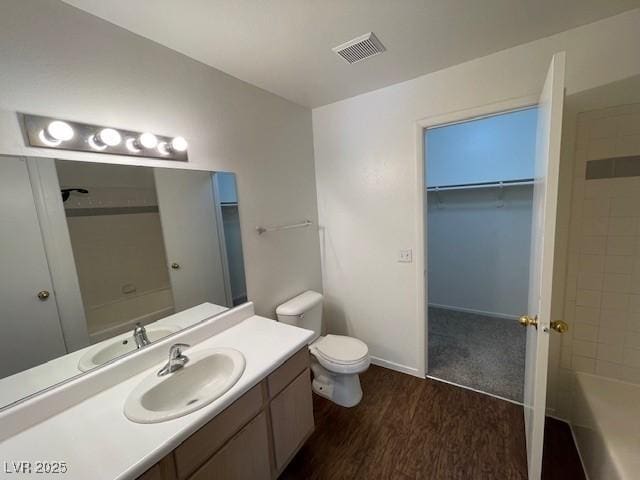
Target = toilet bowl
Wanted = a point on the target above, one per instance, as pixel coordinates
(336, 363)
(336, 360)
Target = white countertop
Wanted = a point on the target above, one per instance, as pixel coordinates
(98, 442)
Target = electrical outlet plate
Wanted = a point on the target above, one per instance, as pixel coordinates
(405, 256)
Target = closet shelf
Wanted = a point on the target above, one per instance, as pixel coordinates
(119, 210)
(469, 186)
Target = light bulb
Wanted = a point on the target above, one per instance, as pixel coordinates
(59, 131)
(108, 137)
(47, 140)
(147, 140)
(95, 143)
(179, 144)
(131, 145)
(163, 148)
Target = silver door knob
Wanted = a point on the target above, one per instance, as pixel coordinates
(175, 265)
(43, 295)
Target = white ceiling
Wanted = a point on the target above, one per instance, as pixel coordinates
(622, 92)
(284, 46)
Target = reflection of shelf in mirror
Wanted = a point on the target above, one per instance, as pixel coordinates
(98, 211)
(229, 204)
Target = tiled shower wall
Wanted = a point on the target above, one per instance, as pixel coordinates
(602, 302)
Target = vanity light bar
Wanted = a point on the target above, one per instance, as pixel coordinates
(47, 132)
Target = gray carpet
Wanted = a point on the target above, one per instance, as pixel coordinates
(477, 351)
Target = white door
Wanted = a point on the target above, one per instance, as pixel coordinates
(545, 199)
(191, 238)
(30, 332)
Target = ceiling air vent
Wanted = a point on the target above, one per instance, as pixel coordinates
(364, 46)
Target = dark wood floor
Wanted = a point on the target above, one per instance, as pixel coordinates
(408, 428)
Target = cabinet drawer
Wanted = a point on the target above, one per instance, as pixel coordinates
(245, 457)
(291, 418)
(288, 371)
(195, 450)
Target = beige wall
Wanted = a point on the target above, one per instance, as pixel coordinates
(57, 60)
(365, 152)
(602, 292)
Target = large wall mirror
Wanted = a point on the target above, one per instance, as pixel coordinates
(100, 259)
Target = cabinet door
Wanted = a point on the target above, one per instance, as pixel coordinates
(163, 470)
(292, 418)
(245, 457)
(288, 371)
(200, 446)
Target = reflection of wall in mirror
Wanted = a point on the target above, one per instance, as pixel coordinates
(117, 244)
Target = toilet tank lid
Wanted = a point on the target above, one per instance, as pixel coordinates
(300, 304)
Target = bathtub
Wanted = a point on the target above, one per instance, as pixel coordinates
(606, 425)
(116, 317)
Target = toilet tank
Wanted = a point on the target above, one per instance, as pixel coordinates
(304, 311)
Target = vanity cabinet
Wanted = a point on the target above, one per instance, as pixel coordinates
(291, 419)
(246, 455)
(163, 470)
(255, 437)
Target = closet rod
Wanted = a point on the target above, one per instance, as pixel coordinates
(465, 186)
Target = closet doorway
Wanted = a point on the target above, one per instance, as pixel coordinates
(479, 184)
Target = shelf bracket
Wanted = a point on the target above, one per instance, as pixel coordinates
(501, 195)
(438, 198)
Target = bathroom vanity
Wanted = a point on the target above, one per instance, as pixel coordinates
(255, 437)
(249, 432)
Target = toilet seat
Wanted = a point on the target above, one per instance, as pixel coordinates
(341, 354)
(341, 349)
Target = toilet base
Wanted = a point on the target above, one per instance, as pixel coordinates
(341, 389)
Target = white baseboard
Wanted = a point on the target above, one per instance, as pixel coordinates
(395, 366)
(506, 316)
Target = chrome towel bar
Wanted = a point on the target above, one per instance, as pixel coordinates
(276, 228)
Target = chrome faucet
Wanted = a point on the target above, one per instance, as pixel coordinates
(176, 359)
(140, 336)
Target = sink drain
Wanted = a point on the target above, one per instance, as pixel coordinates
(191, 402)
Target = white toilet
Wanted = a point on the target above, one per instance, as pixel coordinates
(336, 360)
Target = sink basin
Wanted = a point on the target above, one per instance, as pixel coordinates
(207, 376)
(107, 350)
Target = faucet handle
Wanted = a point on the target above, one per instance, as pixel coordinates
(176, 349)
(140, 336)
(176, 359)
